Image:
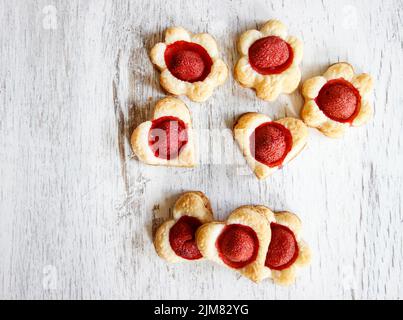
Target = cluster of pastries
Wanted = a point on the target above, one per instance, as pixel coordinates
(190, 65)
(254, 241)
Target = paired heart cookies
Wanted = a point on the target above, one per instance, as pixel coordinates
(337, 100)
(189, 64)
(257, 243)
(253, 240)
(168, 138)
(268, 145)
(269, 60)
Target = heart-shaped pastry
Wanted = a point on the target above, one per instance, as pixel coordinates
(168, 138)
(239, 243)
(269, 60)
(286, 252)
(175, 239)
(337, 100)
(267, 145)
(189, 64)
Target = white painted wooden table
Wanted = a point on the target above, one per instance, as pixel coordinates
(77, 211)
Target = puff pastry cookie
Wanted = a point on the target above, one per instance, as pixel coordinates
(268, 145)
(337, 100)
(240, 243)
(286, 252)
(175, 239)
(269, 60)
(189, 64)
(168, 138)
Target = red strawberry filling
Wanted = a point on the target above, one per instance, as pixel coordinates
(188, 61)
(237, 245)
(270, 143)
(182, 238)
(270, 55)
(167, 137)
(339, 100)
(283, 249)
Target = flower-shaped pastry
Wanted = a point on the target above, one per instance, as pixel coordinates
(286, 251)
(168, 138)
(269, 60)
(239, 243)
(267, 145)
(175, 239)
(189, 64)
(337, 100)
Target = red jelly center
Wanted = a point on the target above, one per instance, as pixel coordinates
(283, 248)
(188, 61)
(238, 245)
(270, 55)
(270, 143)
(167, 137)
(339, 100)
(182, 238)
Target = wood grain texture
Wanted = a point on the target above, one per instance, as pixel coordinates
(77, 211)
